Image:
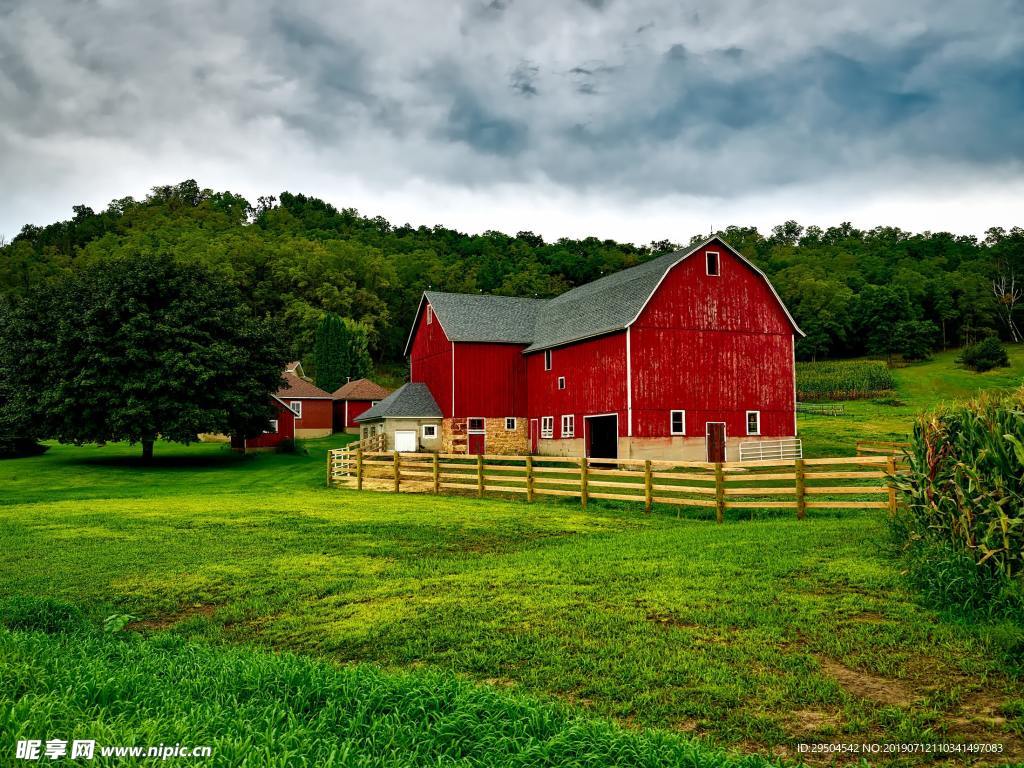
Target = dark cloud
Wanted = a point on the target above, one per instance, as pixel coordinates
(490, 93)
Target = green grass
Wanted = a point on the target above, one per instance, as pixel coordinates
(277, 710)
(919, 387)
(751, 636)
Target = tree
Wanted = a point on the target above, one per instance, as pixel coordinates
(356, 359)
(878, 312)
(985, 355)
(329, 353)
(138, 348)
(915, 339)
(16, 434)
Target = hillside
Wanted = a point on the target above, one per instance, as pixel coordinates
(853, 291)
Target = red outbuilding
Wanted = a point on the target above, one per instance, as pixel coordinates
(355, 398)
(313, 407)
(689, 356)
(282, 428)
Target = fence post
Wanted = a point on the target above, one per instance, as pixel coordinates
(719, 492)
(648, 486)
(437, 475)
(359, 468)
(398, 471)
(890, 467)
(330, 458)
(583, 482)
(480, 475)
(801, 491)
(529, 478)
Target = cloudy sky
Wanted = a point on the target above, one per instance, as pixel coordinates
(633, 119)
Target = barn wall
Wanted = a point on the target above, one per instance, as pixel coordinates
(285, 430)
(431, 361)
(714, 347)
(595, 378)
(490, 380)
(317, 417)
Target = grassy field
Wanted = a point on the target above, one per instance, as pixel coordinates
(655, 640)
(919, 386)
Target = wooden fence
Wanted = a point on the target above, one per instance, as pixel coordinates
(860, 482)
(881, 447)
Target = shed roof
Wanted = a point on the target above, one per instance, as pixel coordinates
(611, 303)
(361, 389)
(297, 389)
(411, 400)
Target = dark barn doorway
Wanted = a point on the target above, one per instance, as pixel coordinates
(715, 440)
(602, 437)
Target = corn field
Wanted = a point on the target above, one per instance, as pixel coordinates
(965, 490)
(843, 380)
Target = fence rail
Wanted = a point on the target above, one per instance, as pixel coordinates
(856, 482)
(822, 409)
(881, 447)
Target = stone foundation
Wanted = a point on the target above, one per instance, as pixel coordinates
(497, 439)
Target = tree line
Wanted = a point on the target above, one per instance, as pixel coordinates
(294, 258)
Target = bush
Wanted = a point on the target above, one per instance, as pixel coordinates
(843, 380)
(916, 339)
(984, 356)
(20, 447)
(41, 614)
(962, 521)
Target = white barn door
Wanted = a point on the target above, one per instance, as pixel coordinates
(405, 440)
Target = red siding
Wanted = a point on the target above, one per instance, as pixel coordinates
(431, 361)
(490, 380)
(355, 408)
(285, 429)
(316, 414)
(715, 347)
(595, 382)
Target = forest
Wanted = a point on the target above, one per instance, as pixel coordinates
(882, 291)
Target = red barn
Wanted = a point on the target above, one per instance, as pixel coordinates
(312, 406)
(685, 356)
(355, 398)
(282, 428)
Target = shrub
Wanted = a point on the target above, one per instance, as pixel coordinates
(41, 614)
(916, 339)
(962, 521)
(843, 380)
(985, 355)
(20, 447)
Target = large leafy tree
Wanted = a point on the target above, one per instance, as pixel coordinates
(329, 352)
(132, 349)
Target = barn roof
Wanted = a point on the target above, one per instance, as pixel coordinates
(297, 389)
(411, 400)
(361, 389)
(611, 303)
(482, 317)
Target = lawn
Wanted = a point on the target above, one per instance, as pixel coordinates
(653, 637)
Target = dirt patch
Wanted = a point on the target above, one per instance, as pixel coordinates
(805, 721)
(668, 620)
(868, 686)
(169, 620)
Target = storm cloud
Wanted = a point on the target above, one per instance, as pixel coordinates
(481, 114)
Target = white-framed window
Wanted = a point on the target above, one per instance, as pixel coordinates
(430, 314)
(373, 403)
(677, 422)
(475, 424)
(561, 382)
(296, 406)
(429, 431)
(510, 424)
(273, 427)
(547, 359)
(568, 425)
(714, 267)
(547, 427)
(753, 422)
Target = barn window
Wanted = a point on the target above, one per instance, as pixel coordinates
(296, 406)
(568, 425)
(430, 314)
(510, 424)
(677, 422)
(373, 403)
(429, 430)
(547, 427)
(561, 382)
(713, 266)
(753, 422)
(547, 359)
(273, 427)
(476, 424)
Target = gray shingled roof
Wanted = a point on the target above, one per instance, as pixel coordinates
(603, 306)
(408, 401)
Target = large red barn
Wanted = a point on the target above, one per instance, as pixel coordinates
(684, 356)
